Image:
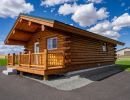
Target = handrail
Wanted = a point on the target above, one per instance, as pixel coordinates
(46, 59)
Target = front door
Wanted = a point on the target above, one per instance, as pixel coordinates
(36, 47)
(36, 51)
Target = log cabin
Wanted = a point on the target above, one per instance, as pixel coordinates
(52, 47)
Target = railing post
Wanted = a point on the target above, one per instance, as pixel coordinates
(19, 61)
(8, 59)
(29, 53)
(64, 57)
(46, 58)
(13, 59)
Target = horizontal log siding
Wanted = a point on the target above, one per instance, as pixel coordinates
(41, 37)
(87, 52)
(81, 52)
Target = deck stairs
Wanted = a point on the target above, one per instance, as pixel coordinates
(9, 71)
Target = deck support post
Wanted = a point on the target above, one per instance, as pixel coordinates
(45, 77)
(21, 74)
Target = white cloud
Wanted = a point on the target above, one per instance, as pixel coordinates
(11, 8)
(67, 9)
(106, 29)
(102, 27)
(6, 49)
(95, 1)
(84, 15)
(72, 24)
(111, 29)
(121, 21)
(54, 2)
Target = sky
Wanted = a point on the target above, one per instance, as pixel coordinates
(110, 18)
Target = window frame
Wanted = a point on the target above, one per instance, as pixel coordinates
(52, 48)
(105, 47)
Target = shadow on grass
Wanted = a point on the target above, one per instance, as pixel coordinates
(124, 67)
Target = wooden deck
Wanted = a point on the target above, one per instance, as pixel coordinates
(45, 63)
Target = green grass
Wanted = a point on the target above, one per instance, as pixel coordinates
(3, 62)
(125, 63)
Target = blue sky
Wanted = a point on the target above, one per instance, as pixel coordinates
(110, 18)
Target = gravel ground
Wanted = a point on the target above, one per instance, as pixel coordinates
(65, 83)
(79, 79)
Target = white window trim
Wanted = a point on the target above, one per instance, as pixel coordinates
(104, 47)
(51, 39)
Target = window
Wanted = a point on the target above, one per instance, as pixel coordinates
(104, 47)
(52, 43)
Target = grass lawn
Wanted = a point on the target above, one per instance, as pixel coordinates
(125, 63)
(3, 62)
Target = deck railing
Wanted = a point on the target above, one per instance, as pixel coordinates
(45, 59)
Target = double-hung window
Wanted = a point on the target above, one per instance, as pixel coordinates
(52, 43)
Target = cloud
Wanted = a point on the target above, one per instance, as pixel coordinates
(127, 8)
(54, 2)
(121, 21)
(123, 4)
(85, 14)
(72, 24)
(6, 49)
(11, 8)
(67, 9)
(53, 9)
(105, 28)
(95, 1)
(102, 27)
(112, 29)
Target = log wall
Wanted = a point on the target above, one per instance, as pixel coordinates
(81, 52)
(42, 37)
(87, 52)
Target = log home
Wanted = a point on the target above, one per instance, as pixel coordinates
(52, 47)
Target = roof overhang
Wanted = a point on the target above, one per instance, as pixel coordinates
(23, 29)
(27, 25)
(76, 30)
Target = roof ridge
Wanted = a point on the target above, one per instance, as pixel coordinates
(49, 19)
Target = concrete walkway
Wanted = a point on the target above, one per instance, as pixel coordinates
(116, 87)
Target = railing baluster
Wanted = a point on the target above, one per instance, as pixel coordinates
(29, 58)
(19, 60)
(13, 59)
